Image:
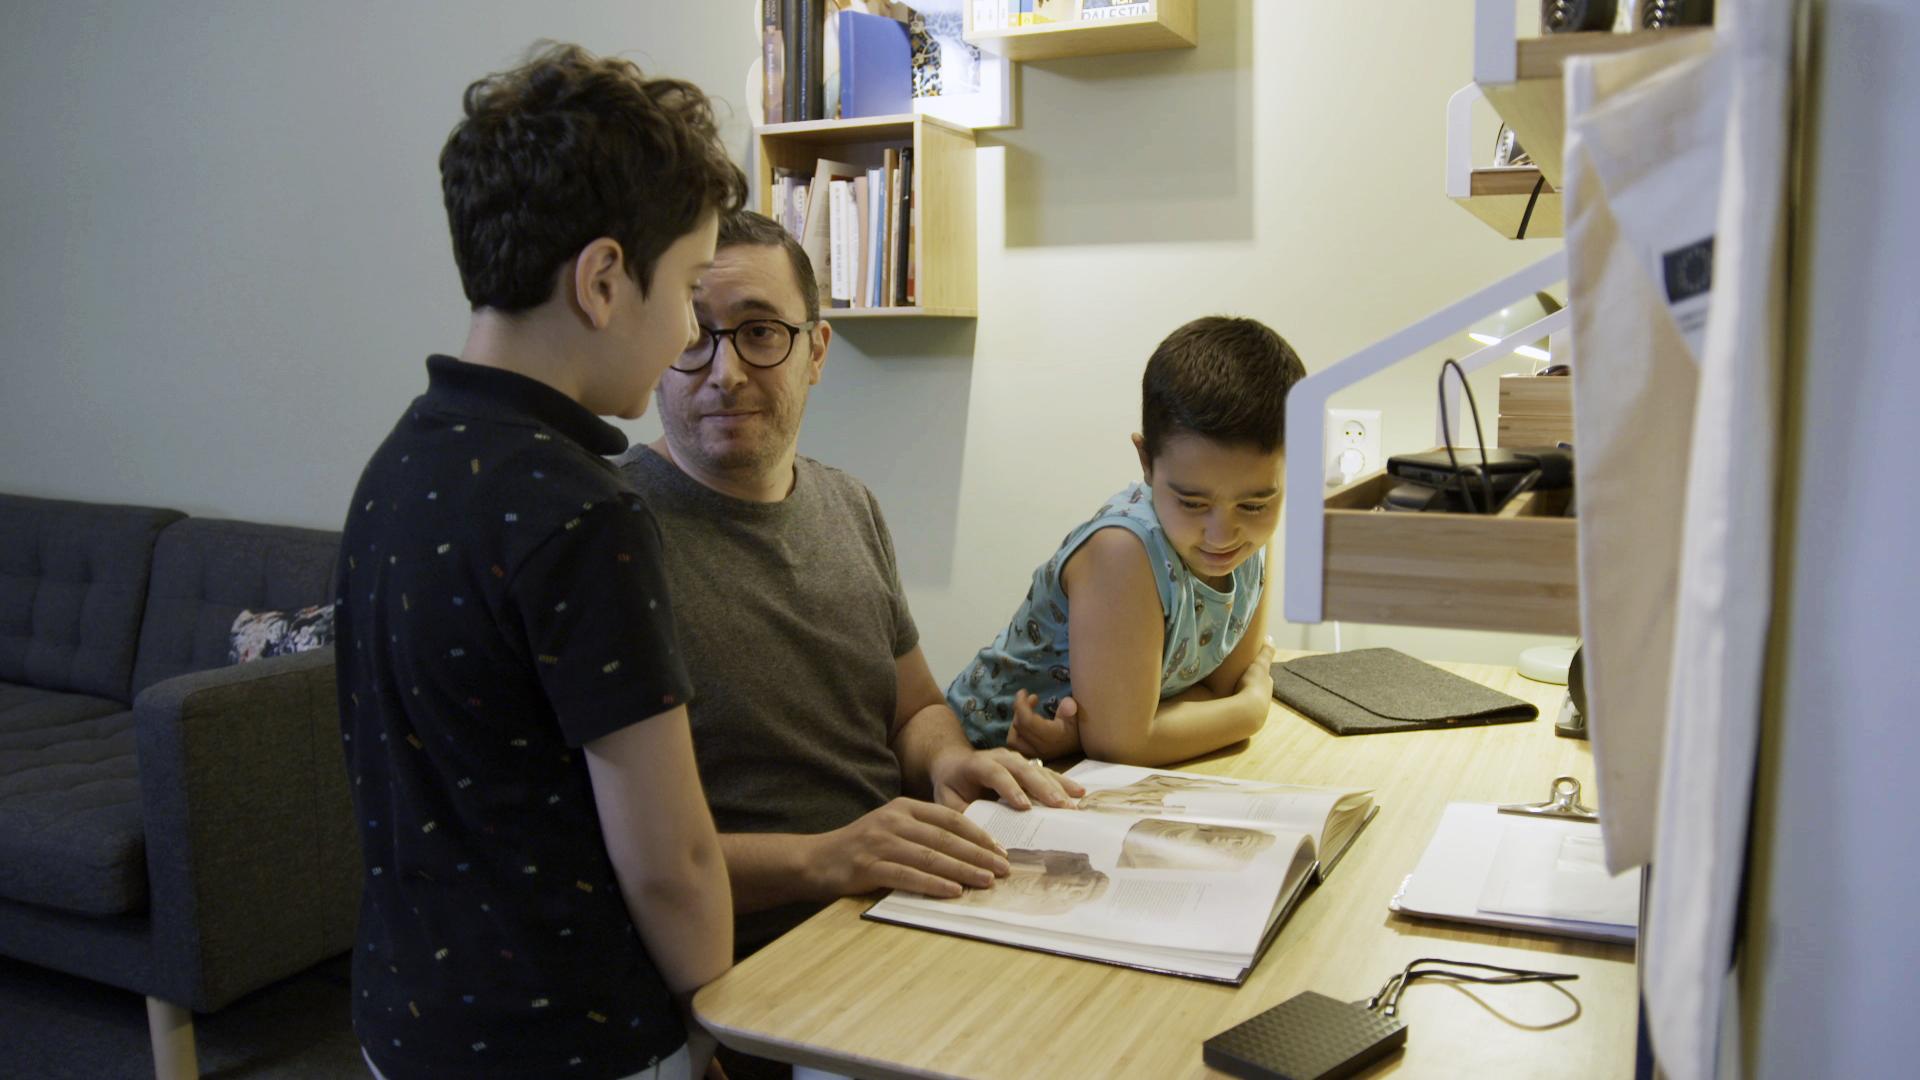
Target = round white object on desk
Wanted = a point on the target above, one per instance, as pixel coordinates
(1547, 663)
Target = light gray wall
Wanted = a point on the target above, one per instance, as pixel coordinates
(223, 256)
(1836, 867)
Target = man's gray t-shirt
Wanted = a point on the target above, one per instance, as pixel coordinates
(790, 616)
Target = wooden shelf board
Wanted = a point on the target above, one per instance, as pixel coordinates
(838, 314)
(1534, 104)
(1171, 26)
(1499, 198)
(863, 129)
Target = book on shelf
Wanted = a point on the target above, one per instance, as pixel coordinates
(791, 73)
(1098, 10)
(807, 58)
(902, 254)
(875, 237)
(860, 241)
(890, 162)
(1166, 871)
(843, 243)
(876, 67)
(773, 63)
(816, 237)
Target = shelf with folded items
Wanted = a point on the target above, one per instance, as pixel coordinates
(941, 224)
(1515, 201)
(1522, 77)
(1514, 570)
(1169, 24)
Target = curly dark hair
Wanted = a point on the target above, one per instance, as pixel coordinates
(565, 149)
(1221, 378)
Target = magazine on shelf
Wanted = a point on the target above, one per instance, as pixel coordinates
(1166, 871)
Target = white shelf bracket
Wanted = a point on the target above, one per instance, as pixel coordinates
(1305, 514)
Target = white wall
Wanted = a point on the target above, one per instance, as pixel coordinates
(224, 256)
(1832, 932)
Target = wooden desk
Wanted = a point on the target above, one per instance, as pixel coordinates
(869, 999)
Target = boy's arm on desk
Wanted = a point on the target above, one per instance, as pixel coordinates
(1117, 627)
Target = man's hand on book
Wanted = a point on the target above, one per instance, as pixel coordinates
(1035, 734)
(907, 844)
(961, 776)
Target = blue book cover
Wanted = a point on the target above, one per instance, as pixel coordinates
(876, 69)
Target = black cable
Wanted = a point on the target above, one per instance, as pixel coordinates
(1480, 435)
(1387, 1001)
(1528, 215)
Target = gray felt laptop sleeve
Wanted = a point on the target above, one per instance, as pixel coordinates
(1373, 690)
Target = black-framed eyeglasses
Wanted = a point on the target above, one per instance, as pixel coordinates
(761, 343)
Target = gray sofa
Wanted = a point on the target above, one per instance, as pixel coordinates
(168, 823)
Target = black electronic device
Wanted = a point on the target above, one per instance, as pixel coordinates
(1438, 468)
(1307, 1037)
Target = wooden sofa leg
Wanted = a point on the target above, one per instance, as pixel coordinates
(171, 1028)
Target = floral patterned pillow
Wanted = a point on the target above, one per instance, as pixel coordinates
(257, 635)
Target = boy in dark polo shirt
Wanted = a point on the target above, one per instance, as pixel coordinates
(543, 880)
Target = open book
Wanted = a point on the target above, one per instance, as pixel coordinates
(1168, 871)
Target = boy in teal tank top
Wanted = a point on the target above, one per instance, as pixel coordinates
(1140, 640)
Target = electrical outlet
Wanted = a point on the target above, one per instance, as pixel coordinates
(1353, 444)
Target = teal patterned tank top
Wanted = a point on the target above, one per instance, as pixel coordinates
(1203, 625)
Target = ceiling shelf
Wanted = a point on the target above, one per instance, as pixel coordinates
(1522, 76)
(1500, 197)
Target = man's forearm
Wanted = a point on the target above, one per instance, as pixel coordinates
(926, 736)
(769, 870)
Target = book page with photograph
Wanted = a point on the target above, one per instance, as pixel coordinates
(1191, 897)
(1332, 816)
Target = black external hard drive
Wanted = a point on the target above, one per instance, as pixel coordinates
(1307, 1037)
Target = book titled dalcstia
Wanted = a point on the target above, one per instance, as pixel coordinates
(1174, 872)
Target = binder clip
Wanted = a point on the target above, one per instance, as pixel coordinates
(1563, 802)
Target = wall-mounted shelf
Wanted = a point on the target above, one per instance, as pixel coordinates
(1515, 570)
(1522, 76)
(1169, 26)
(944, 251)
(1501, 197)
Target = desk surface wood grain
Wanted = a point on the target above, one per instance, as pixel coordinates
(869, 999)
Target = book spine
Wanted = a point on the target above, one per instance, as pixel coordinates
(790, 67)
(893, 226)
(902, 294)
(876, 233)
(840, 260)
(858, 230)
(813, 17)
(773, 63)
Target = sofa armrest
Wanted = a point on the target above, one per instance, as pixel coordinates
(252, 856)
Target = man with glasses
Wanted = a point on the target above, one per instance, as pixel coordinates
(815, 708)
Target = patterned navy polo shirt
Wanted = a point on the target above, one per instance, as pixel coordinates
(500, 604)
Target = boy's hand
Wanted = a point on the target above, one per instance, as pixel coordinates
(963, 776)
(906, 844)
(1035, 734)
(1257, 680)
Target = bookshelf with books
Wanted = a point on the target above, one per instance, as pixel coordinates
(891, 196)
(1043, 30)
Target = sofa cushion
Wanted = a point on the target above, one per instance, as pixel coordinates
(205, 572)
(73, 584)
(70, 820)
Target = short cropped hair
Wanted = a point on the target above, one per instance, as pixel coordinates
(565, 149)
(745, 228)
(1220, 378)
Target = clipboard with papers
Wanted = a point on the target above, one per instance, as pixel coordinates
(1538, 867)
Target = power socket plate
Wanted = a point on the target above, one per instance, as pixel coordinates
(1353, 444)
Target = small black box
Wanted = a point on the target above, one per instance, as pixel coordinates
(1307, 1037)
